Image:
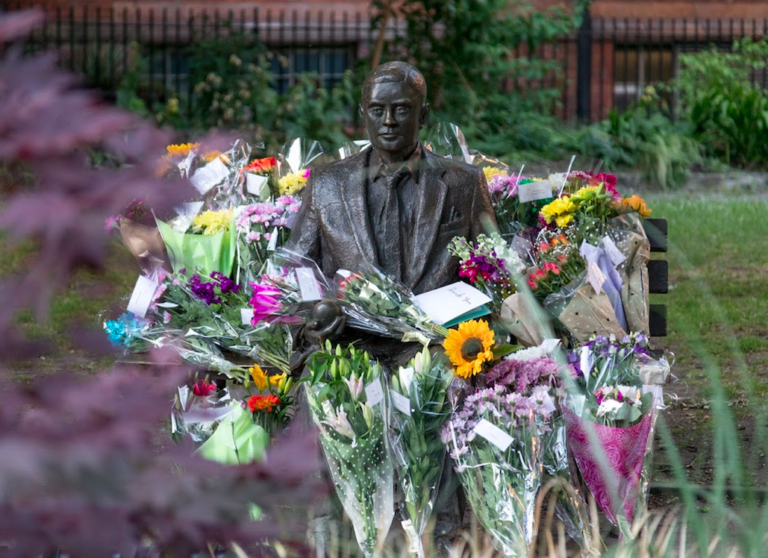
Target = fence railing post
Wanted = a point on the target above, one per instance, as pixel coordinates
(584, 69)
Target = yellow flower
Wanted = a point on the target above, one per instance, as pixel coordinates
(586, 192)
(212, 222)
(259, 378)
(469, 347)
(291, 183)
(563, 220)
(635, 203)
(560, 207)
(181, 149)
(490, 172)
(210, 156)
(275, 379)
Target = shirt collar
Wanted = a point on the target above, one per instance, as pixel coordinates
(410, 165)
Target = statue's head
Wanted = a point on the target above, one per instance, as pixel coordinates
(394, 108)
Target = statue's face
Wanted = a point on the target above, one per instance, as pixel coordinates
(393, 115)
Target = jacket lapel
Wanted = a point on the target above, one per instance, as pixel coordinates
(431, 198)
(356, 207)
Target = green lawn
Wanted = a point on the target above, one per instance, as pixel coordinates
(718, 326)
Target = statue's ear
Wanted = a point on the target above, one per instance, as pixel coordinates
(360, 110)
(424, 115)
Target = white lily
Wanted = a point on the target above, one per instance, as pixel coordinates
(340, 424)
(355, 386)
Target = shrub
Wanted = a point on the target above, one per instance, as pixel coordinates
(727, 112)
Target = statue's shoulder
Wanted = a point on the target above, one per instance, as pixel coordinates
(339, 171)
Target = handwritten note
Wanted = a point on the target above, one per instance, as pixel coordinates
(450, 302)
(614, 254)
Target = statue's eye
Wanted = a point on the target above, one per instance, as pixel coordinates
(402, 110)
(376, 111)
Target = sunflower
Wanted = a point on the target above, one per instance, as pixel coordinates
(469, 347)
(181, 149)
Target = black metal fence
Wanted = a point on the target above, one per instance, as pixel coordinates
(605, 64)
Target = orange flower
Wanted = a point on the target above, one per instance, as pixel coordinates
(262, 403)
(261, 165)
(635, 203)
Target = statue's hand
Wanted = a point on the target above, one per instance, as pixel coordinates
(327, 322)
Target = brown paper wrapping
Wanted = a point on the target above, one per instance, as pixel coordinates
(519, 317)
(146, 245)
(627, 233)
(588, 314)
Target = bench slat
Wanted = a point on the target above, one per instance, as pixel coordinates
(658, 276)
(658, 320)
(656, 230)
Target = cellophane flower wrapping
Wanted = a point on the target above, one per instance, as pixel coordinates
(420, 407)
(347, 396)
(609, 418)
(203, 252)
(527, 372)
(496, 446)
(261, 229)
(294, 162)
(377, 303)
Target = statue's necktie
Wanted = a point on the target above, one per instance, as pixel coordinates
(393, 250)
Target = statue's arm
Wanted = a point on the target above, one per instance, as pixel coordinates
(483, 217)
(305, 233)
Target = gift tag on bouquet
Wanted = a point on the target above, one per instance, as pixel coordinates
(141, 297)
(246, 316)
(209, 176)
(374, 393)
(534, 191)
(257, 185)
(400, 402)
(453, 304)
(595, 277)
(494, 434)
(308, 286)
(613, 252)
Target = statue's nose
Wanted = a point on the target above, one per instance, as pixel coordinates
(389, 118)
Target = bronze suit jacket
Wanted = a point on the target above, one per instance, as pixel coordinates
(333, 226)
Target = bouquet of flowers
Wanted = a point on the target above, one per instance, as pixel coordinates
(261, 228)
(206, 242)
(609, 418)
(272, 406)
(490, 264)
(347, 399)
(495, 442)
(528, 372)
(199, 409)
(294, 162)
(260, 180)
(375, 302)
(420, 407)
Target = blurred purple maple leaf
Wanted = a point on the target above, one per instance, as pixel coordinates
(80, 468)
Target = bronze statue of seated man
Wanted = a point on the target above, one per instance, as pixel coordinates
(395, 204)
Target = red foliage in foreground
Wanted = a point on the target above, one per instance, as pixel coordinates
(80, 470)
